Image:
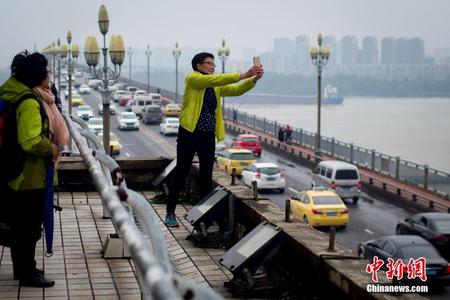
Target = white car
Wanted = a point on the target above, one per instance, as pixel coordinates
(112, 109)
(139, 93)
(128, 120)
(118, 94)
(84, 89)
(169, 126)
(266, 175)
(85, 112)
(95, 125)
(66, 92)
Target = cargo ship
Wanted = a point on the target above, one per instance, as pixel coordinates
(330, 96)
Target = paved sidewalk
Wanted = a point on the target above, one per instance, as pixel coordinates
(80, 271)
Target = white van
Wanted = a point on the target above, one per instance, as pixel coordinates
(138, 104)
(339, 176)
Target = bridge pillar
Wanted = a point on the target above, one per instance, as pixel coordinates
(332, 146)
(397, 167)
(351, 152)
(425, 176)
(264, 125)
(373, 159)
(301, 136)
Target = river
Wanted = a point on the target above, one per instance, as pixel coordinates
(416, 129)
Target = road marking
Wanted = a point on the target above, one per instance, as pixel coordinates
(127, 154)
(368, 231)
(155, 136)
(294, 191)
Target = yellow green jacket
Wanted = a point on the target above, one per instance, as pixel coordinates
(31, 135)
(225, 85)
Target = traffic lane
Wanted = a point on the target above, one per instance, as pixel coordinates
(136, 143)
(369, 218)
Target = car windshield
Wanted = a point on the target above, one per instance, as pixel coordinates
(172, 121)
(95, 121)
(326, 200)
(250, 139)
(84, 108)
(346, 174)
(154, 109)
(442, 226)
(416, 251)
(128, 116)
(242, 156)
(269, 170)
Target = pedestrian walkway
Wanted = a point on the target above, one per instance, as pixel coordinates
(80, 271)
(407, 191)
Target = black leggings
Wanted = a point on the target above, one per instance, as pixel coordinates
(27, 209)
(188, 143)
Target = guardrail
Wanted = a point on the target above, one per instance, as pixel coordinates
(409, 172)
(155, 276)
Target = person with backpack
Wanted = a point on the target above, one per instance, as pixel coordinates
(40, 132)
(201, 122)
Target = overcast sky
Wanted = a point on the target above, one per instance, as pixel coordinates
(202, 23)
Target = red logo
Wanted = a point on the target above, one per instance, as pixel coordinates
(416, 268)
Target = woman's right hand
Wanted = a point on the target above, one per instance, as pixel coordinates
(253, 71)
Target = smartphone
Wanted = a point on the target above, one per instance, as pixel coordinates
(257, 61)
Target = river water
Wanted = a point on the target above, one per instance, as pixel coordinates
(416, 129)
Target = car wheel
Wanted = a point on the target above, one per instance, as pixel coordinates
(343, 227)
(361, 253)
(355, 200)
(398, 231)
(226, 169)
(281, 191)
(305, 219)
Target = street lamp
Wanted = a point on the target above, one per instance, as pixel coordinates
(176, 54)
(58, 44)
(117, 55)
(223, 53)
(72, 54)
(130, 53)
(148, 53)
(319, 56)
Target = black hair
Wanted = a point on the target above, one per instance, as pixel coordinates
(199, 58)
(30, 69)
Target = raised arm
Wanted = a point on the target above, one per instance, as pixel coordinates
(199, 81)
(237, 89)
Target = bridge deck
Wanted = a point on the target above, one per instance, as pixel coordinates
(80, 271)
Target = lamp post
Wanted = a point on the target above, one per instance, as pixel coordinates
(58, 43)
(72, 54)
(223, 53)
(117, 55)
(176, 54)
(319, 56)
(130, 53)
(148, 53)
(54, 52)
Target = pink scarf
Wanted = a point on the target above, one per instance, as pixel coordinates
(58, 132)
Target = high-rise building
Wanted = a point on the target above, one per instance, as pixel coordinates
(300, 61)
(369, 51)
(388, 45)
(330, 42)
(283, 46)
(416, 51)
(349, 50)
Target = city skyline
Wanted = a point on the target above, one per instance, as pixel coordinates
(252, 25)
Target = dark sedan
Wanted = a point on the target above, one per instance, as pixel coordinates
(434, 227)
(405, 247)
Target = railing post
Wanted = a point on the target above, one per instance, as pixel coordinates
(425, 176)
(373, 159)
(332, 146)
(397, 167)
(351, 152)
(264, 125)
(332, 239)
(233, 176)
(275, 128)
(254, 121)
(301, 136)
(255, 189)
(287, 211)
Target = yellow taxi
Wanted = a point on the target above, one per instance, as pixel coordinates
(237, 159)
(171, 110)
(320, 207)
(77, 100)
(114, 142)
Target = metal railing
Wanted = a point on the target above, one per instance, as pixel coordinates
(155, 276)
(409, 172)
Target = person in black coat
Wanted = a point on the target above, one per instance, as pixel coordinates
(57, 98)
(281, 135)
